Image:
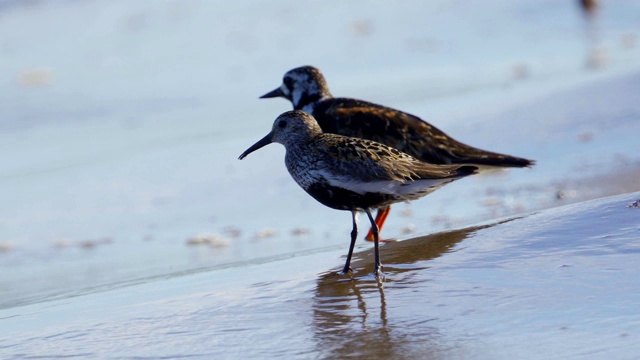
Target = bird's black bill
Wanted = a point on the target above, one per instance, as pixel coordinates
(261, 143)
(275, 93)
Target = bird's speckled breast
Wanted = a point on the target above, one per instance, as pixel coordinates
(300, 167)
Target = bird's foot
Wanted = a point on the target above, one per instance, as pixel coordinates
(345, 271)
(377, 272)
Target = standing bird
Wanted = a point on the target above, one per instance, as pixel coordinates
(347, 173)
(307, 90)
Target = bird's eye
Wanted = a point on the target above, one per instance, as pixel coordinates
(282, 124)
(288, 82)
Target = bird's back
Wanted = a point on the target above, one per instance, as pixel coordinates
(405, 132)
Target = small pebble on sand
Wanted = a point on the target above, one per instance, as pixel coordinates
(232, 232)
(300, 231)
(265, 233)
(5, 247)
(212, 240)
(409, 229)
(36, 77)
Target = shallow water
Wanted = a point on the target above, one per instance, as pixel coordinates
(561, 283)
(119, 136)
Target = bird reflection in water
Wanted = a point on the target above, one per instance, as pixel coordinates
(352, 317)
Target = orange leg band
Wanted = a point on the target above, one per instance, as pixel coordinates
(381, 216)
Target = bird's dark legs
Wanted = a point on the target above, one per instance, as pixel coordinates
(381, 217)
(354, 235)
(374, 229)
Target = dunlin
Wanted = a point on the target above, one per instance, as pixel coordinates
(307, 90)
(353, 174)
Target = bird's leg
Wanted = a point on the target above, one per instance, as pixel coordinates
(381, 217)
(374, 229)
(354, 235)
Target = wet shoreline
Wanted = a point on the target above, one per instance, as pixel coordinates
(483, 291)
(129, 229)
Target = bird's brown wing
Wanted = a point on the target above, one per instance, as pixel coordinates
(405, 132)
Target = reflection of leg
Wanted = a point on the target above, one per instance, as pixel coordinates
(374, 229)
(383, 306)
(381, 216)
(354, 235)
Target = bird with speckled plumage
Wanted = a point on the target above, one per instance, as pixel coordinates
(347, 173)
(307, 90)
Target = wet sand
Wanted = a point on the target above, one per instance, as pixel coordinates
(129, 229)
(561, 283)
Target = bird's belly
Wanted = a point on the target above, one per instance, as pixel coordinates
(343, 199)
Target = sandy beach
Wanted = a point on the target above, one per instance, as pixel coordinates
(129, 229)
(497, 290)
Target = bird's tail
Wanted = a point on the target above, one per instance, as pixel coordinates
(491, 159)
(466, 170)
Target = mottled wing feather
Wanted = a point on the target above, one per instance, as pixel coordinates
(370, 161)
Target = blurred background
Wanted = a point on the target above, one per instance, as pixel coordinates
(121, 123)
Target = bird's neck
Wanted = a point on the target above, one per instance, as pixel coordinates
(308, 102)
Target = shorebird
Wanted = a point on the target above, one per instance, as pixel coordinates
(307, 90)
(347, 173)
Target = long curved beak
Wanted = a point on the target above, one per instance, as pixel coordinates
(271, 94)
(261, 143)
